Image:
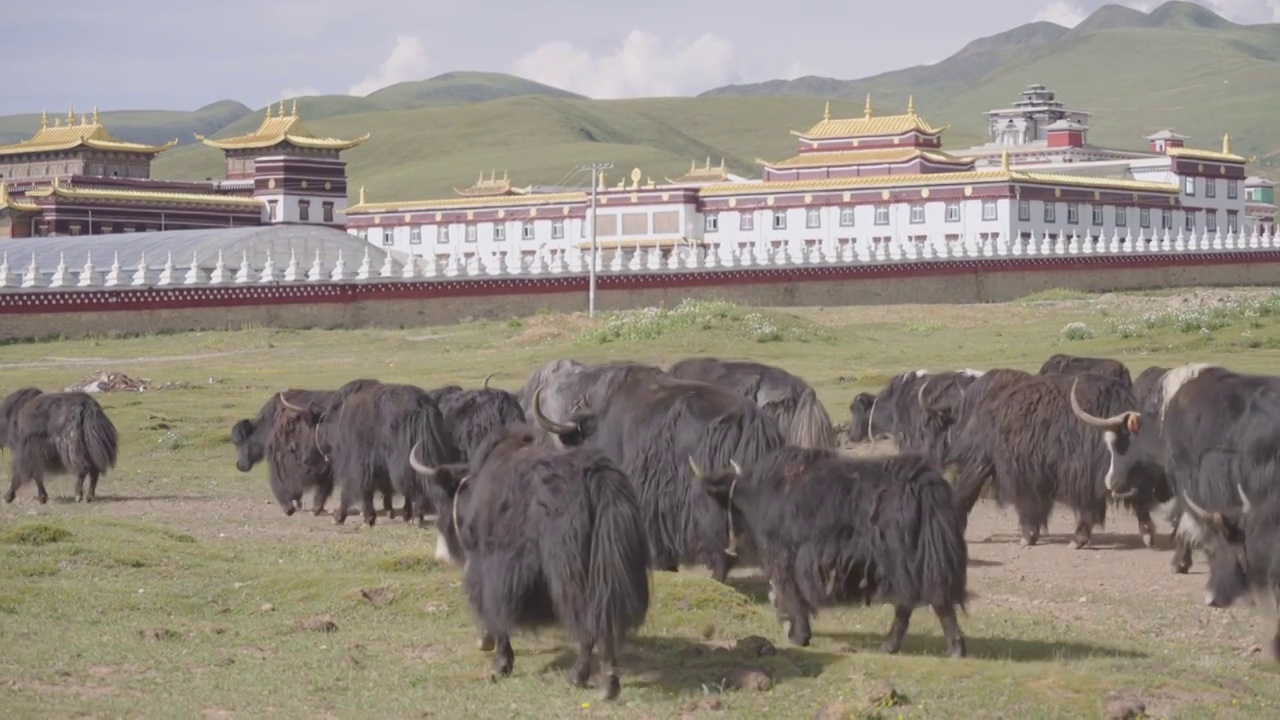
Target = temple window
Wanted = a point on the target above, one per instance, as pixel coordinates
(711, 223)
(953, 211)
(1166, 219)
(780, 220)
(1210, 187)
(1190, 217)
(917, 213)
(1097, 214)
(471, 233)
(747, 221)
(95, 169)
(415, 235)
(1024, 210)
(1073, 213)
(813, 218)
(388, 236)
(846, 217)
(557, 229)
(1210, 221)
(882, 214)
(526, 230)
(273, 210)
(499, 232)
(1233, 225)
(989, 210)
(1122, 216)
(1233, 189)
(304, 210)
(1051, 212)
(442, 233)
(328, 211)
(75, 229)
(1144, 217)
(1189, 186)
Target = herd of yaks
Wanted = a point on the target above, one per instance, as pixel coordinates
(558, 501)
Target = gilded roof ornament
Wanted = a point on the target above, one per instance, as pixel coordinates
(44, 119)
(361, 195)
(826, 112)
(866, 110)
(1004, 160)
(911, 104)
(97, 119)
(280, 112)
(1226, 144)
(71, 115)
(293, 112)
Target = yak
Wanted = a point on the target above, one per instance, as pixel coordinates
(366, 429)
(649, 425)
(471, 415)
(1245, 554)
(567, 386)
(59, 432)
(1061, 364)
(287, 440)
(864, 426)
(787, 398)
(834, 529)
(545, 535)
(1210, 432)
(1018, 430)
(910, 409)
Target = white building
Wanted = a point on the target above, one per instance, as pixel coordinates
(854, 182)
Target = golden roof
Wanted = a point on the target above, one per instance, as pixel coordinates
(868, 156)
(8, 203)
(464, 203)
(281, 128)
(1194, 154)
(85, 133)
(152, 196)
(1093, 181)
(703, 174)
(927, 179)
(494, 186)
(869, 125)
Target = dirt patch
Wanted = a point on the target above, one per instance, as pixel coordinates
(541, 329)
(320, 623)
(105, 381)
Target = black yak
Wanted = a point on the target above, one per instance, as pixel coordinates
(784, 396)
(60, 432)
(287, 440)
(650, 424)
(366, 429)
(916, 409)
(1061, 364)
(1209, 432)
(567, 386)
(471, 415)
(545, 535)
(832, 529)
(1018, 429)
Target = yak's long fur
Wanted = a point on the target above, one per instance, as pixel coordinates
(1062, 364)
(286, 439)
(834, 529)
(547, 536)
(471, 415)
(568, 386)
(61, 432)
(787, 398)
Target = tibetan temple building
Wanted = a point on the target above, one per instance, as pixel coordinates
(74, 178)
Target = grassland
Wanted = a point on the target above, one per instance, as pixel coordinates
(184, 592)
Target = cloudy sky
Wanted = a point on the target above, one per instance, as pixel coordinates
(135, 54)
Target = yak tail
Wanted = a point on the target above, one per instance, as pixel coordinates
(618, 566)
(101, 441)
(423, 427)
(941, 553)
(810, 425)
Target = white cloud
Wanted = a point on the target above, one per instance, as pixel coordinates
(1062, 12)
(1246, 11)
(643, 66)
(407, 61)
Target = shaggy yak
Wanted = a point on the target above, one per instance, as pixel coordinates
(832, 528)
(61, 432)
(286, 439)
(471, 415)
(545, 535)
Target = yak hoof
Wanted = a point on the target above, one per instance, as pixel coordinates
(289, 511)
(612, 688)
(44, 499)
(889, 647)
(1180, 568)
(8, 497)
(957, 649)
(1148, 539)
(486, 643)
(1078, 543)
(79, 498)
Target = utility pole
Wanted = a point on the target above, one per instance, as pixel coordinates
(595, 169)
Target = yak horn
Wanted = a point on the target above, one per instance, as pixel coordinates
(920, 396)
(1244, 499)
(1195, 509)
(290, 405)
(546, 423)
(487, 378)
(1093, 420)
(736, 469)
(697, 471)
(416, 464)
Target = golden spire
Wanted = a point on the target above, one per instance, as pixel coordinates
(1004, 160)
(84, 120)
(96, 118)
(268, 111)
(866, 111)
(707, 166)
(911, 104)
(71, 115)
(293, 112)
(57, 122)
(361, 195)
(826, 112)
(1226, 144)
(4, 193)
(44, 119)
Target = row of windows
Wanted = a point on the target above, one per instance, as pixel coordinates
(1211, 187)
(813, 216)
(1097, 216)
(445, 234)
(304, 211)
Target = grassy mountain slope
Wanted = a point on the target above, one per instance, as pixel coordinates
(145, 126)
(1179, 65)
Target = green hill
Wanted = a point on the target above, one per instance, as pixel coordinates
(1179, 65)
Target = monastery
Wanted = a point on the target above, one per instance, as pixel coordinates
(74, 178)
(860, 179)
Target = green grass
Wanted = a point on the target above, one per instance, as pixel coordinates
(185, 592)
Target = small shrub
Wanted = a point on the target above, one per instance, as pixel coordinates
(1077, 331)
(35, 533)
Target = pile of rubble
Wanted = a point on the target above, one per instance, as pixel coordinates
(106, 381)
